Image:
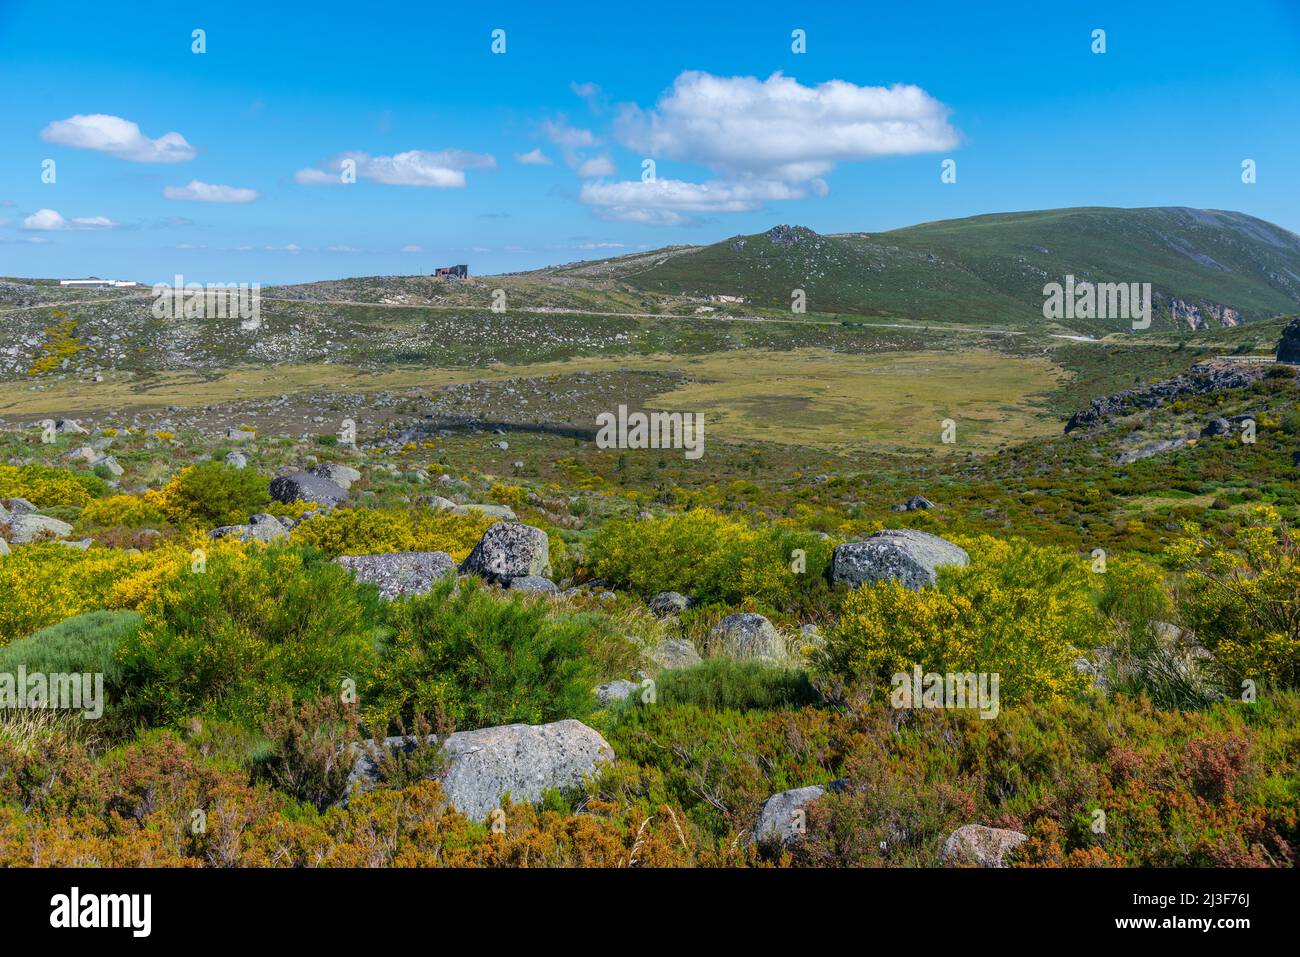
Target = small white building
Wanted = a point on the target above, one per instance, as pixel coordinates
(93, 283)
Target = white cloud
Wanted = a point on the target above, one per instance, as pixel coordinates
(443, 169)
(600, 246)
(559, 132)
(534, 157)
(412, 248)
(596, 166)
(118, 137)
(342, 249)
(590, 92)
(48, 221)
(665, 202)
(209, 193)
(780, 129)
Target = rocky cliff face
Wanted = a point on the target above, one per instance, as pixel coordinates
(1198, 315)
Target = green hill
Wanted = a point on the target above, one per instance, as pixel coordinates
(1206, 267)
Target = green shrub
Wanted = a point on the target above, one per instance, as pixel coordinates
(213, 493)
(462, 657)
(83, 643)
(718, 684)
(258, 626)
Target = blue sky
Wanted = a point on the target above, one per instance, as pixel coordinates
(850, 136)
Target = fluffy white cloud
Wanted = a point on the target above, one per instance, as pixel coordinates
(443, 169)
(596, 166)
(412, 248)
(209, 193)
(534, 157)
(48, 221)
(780, 129)
(667, 201)
(118, 137)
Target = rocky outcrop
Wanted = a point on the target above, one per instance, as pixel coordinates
(673, 654)
(509, 550)
(1147, 449)
(516, 759)
(979, 845)
(262, 527)
(782, 818)
(746, 636)
(668, 603)
(27, 527)
(905, 555)
(400, 573)
(341, 475)
(1288, 348)
(913, 504)
(1203, 378)
(533, 583)
(304, 487)
(614, 691)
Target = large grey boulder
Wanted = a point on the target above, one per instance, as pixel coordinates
(262, 527)
(516, 759)
(904, 555)
(29, 526)
(1218, 425)
(614, 691)
(913, 504)
(668, 603)
(70, 427)
(303, 486)
(980, 845)
(673, 654)
(400, 573)
(109, 463)
(4, 547)
(782, 818)
(509, 550)
(236, 460)
(341, 475)
(440, 504)
(746, 636)
(533, 583)
(1288, 349)
(17, 506)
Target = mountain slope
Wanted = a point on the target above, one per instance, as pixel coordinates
(1205, 267)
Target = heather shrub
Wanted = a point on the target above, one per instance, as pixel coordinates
(363, 531)
(463, 657)
(257, 626)
(311, 748)
(1018, 610)
(210, 494)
